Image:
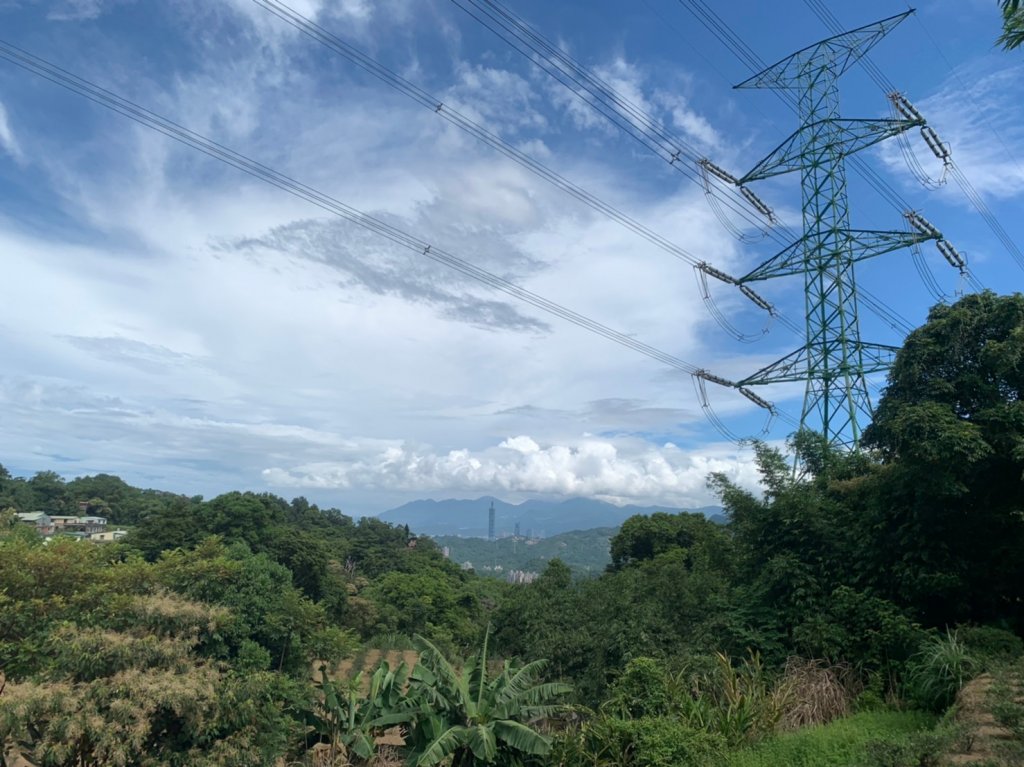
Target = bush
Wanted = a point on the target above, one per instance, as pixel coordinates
(922, 749)
(819, 692)
(740, 701)
(646, 742)
(991, 645)
(842, 743)
(643, 689)
(938, 671)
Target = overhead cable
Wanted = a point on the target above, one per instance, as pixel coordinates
(459, 120)
(596, 92)
(933, 143)
(145, 117)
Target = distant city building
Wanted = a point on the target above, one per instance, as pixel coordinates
(517, 530)
(446, 551)
(521, 577)
(490, 523)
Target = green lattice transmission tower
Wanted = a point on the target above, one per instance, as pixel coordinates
(833, 360)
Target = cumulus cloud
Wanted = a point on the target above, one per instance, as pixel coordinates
(623, 470)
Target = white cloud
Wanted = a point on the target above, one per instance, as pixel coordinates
(977, 113)
(640, 101)
(621, 471)
(213, 327)
(7, 138)
(82, 10)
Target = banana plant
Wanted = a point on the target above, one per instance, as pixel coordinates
(349, 719)
(473, 718)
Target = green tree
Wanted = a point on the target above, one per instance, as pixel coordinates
(49, 493)
(946, 511)
(1013, 24)
(471, 717)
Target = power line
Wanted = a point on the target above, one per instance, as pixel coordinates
(724, 33)
(597, 93)
(622, 112)
(714, 24)
(436, 105)
(887, 86)
(145, 117)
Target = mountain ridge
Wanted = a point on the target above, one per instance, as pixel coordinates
(536, 518)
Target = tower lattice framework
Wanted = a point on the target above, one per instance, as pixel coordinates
(833, 361)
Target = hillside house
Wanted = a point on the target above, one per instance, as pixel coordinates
(85, 525)
(42, 521)
(108, 536)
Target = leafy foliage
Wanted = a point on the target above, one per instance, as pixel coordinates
(471, 716)
(939, 670)
(1013, 24)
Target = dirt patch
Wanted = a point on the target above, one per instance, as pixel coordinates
(982, 739)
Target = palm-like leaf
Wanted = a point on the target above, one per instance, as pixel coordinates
(482, 743)
(522, 738)
(446, 744)
(474, 718)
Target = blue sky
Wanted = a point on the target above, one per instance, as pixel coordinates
(171, 320)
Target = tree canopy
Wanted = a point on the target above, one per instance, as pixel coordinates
(1013, 24)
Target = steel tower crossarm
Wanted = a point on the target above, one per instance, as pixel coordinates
(865, 243)
(841, 51)
(875, 358)
(849, 136)
(833, 361)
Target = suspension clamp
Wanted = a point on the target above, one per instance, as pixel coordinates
(715, 170)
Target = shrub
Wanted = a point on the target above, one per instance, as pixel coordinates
(990, 644)
(921, 749)
(939, 670)
(818, 692)
(645, 742)
(740, 701)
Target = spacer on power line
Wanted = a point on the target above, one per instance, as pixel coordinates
(939, 149)
(758, 204)
(904, 107)
(951, 254)
(715, 170)
(718, 274)
(759, 401)
(706, 376)
(921, 224)
(758, 301)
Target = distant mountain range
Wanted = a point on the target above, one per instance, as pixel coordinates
(538, 519)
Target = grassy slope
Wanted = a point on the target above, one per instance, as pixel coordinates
(837, 744)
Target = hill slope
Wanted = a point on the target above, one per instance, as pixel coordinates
(584, 551)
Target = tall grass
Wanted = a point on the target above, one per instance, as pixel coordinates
(842, 743)
(939, 670)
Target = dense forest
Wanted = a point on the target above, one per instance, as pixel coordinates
(864, 588)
